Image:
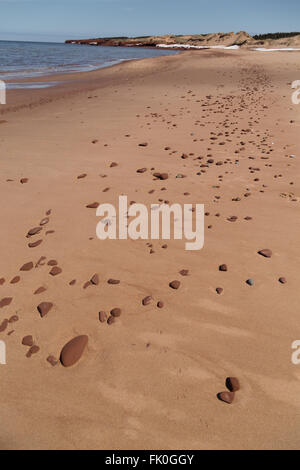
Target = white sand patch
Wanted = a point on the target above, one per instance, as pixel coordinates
(263, 49)
(188, 46)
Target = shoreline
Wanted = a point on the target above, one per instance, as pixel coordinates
(69, 84)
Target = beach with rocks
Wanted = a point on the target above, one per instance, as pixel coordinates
(142, 344)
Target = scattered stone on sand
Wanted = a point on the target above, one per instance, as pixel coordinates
(72, 283)
(28, 340)
(73, 350)
(41, 261)
(52, 360)
(13, 319)
(174, 285)
(219, 290)
(113, 164)
(223, 268)
(44, 221)
(5, 302)
(33, 231)
(184, 272)
(33, 350)
(2, 281)
(160, 304)
(3, 325)
(233, 384)
(113, 281)
(143, 144)
(55, 271)
(52, 262)
(40, 290)
(95, 280)
(226, 397)
(83, 175)
(282, 280)
(141, 170)
(23, 180)
(116, 312)
(35, 244)
(161, 176)
(147, 300)
(93, 205)
(44, 308)
(250, 282)
(111, 320)
(15, 280)
(102, 316)
(27, 266)
(266, 253)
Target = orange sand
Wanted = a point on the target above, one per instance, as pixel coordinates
(150, 379)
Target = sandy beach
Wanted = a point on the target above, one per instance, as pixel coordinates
(222, 120)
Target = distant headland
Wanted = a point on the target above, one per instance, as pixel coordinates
(240, 39)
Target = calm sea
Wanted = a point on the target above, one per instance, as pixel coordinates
(36, 59)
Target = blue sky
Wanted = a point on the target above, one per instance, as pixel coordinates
(57, 20)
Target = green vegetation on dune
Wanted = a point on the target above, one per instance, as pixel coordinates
(274, 36)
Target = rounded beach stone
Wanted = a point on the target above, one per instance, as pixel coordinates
(113, 281)
(184, 272)
(174, 285)
(40, 290)
(95, 280)
(93, 205)
(223, 268)
(44, 221)
(73, 350)
(102, 316)
(219, 290)
(13, 319)
(44, 308)
(116, 312)
(266, 253)
(27, 266)
(52, 360)
(3, 325)
(55, 271)
(15, 280)
(34, 231)
(33, 350)
(147, 300)
(226, 397)
(282, 280)
(233, 384)
(35, 244)
(52, 262)
(160, 304)
(5, 302)
(27, 340)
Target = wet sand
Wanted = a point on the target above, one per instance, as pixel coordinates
(148, 377)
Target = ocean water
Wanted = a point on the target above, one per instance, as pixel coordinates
(19, 60)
